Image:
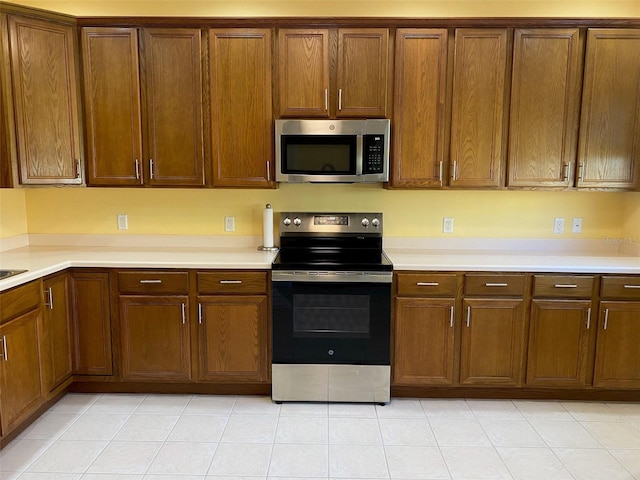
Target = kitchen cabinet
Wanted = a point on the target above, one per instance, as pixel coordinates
(492, 339)
(233, 332)
(545, 103)
(609, 146)
(57, 329)
(143, 106)
(419, 108)
(241, 108)
(480, 107)
(45, 101)
(562, 331)
(317, 78)
(154, 325)
(617, 360)
(424, 329)
(91, 321)
(22, 389)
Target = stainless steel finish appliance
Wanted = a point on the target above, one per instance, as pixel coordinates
(332, 151)
(331, 305)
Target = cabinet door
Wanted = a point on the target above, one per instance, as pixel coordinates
(172, 75)
(91, 321)
(478, 110)
(242, 117)
(363, 58)
(155, 338)
(43, 64)
(617, 359)
(609, 149)
(57, 327)
(419, 108)
(492, 342)
(303, 72)
(112, 106)
(234, 338)
(423, 333)
(21, 382)
(559, 343)
(545, 102)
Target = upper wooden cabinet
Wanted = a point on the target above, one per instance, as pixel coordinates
(158, 81)
(609, 147)
(545, 102)
(241, 108)
(478, 127)
(318, 78)
(419, 108)
(45, 101)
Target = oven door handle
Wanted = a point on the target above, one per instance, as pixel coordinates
(333, 277)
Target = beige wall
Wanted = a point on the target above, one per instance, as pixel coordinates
(13, 212)
(632, 217)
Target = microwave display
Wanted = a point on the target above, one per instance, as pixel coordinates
(319, 155)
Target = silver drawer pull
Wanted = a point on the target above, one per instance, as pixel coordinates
(150, 281)
(496, 284)
(468, 315)
(588, 318)
(606, 318)
(451, 317)
(227, 282)
(563, 285)
(427, 284)
(632, 286)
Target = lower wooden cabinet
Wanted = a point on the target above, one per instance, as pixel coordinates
(424, 341)
(154, 338)
(233, 338)
(57, 331)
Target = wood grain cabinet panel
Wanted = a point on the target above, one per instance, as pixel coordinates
(545, 102)
(609, 148)
(419, 108)
(478, 124)
(46, 101)
(57, 330)
(241, 107)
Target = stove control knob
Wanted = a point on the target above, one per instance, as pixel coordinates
(287, 221)
(375, 222)
(297, 222)
(365, 222)
(330, 352)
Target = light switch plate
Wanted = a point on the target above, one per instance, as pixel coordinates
(229, 224)
(447, 225)
(123, 221)
(558, 225)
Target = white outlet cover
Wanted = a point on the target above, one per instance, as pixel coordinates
(229, 224)
(576, 225)
(558, 225)
(123, 222)
(447, 225)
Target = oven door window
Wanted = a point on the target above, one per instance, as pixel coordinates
(319, 154)
(331, 316)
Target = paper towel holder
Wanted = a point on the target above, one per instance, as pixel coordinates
(262, 248)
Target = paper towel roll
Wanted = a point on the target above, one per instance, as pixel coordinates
(267, 226)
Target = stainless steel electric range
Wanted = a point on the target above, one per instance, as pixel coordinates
(331, 291)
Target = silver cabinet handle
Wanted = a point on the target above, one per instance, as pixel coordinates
(427, 284)
(326, 99)
(440, 174)
(200, 314)
(468, 315)
(565, 176)
(184, 316)
(78, 168)
(581, 173)
(151, 168)
(561, 285)
(588, 317)
(151, 281)
(454, 170)
(227, 282)
(268, 171)
(451, 317)
(496, 284)
(632, 286)
(5, 355)
(606, 318)
(339, 99)
(49, 303)
(137, 169)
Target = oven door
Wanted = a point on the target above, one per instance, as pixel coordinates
(331, 318)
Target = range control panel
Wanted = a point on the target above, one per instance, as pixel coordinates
(305, 222)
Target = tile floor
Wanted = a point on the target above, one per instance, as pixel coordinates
(109, 436)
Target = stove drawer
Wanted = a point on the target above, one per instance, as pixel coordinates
(494, 284)
(427, 284)
(222, 282)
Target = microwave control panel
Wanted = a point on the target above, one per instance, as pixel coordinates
(373, 161)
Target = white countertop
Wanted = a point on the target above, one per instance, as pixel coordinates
(494, 255)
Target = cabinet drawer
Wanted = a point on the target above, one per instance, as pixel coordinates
(486, 284)
(153, 282)
(19, 300)
(620, 287)
(427, 284)
(232, 282)
(563, 286)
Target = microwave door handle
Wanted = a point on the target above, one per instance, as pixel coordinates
(359, 155)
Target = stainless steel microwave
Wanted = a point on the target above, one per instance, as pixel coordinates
(332, 151)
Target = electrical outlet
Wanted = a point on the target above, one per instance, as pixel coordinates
(123, 222)
(576, 225)
(447, 225)
(558, 225)
(229, 224)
